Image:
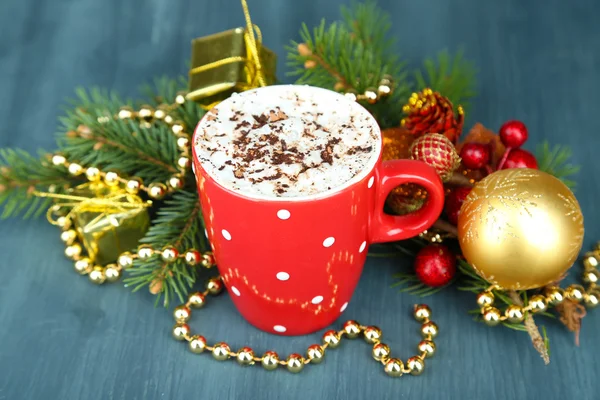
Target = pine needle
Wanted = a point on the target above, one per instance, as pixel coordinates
(555, 160)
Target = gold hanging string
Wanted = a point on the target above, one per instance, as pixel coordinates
(254, 75)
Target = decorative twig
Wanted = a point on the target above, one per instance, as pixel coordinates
(446, 227)
(571, 314)
(536, 337)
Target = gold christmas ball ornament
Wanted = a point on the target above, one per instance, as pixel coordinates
(352, 329)
(514, 314)
(315, 353)
(381, 351)
(245, 356)
(112, 272)
(221, 351)
(491, 316)
(97, 275)
(422, 312)
(416, 365)
(196, 300)
(332, 338)
(197, 344)
(182, 313)
(429, 329)
(393, 367)
(270, 360)
(295, 363)
(554, 295)
(520, 228)
(485, 299)
(372, 334)
(427, 347)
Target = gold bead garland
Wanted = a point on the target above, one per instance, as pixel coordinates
(551, 296)
(373, 95)
(295, 362)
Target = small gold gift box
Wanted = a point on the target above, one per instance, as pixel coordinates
(224, 63)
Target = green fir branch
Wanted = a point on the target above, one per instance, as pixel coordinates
(452, 76)
(368, 25)
(555, 160)
(21, 174)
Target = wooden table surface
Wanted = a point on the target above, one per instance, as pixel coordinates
(63, 338)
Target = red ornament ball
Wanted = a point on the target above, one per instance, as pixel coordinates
(475, 155)
(513, 134)
(436, 151)
(454, 202)
(519, 158)
(435, 265)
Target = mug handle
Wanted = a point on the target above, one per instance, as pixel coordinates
(389, 228)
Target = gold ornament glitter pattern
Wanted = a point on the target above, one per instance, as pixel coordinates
(520, 228)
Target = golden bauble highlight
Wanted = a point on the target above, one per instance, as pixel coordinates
(520, 228)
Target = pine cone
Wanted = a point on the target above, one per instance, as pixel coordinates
(430, 112)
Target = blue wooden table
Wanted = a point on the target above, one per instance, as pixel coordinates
(63, 338)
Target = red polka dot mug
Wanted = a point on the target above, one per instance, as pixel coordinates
(291, 264)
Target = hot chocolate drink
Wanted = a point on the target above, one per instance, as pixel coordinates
(287, 141)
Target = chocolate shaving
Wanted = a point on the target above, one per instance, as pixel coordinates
(283, 145)
(273, 177)
(261, 120)
(327, 157)
(278, 115)
(238, 173)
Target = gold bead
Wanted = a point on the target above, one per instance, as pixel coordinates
(111, 178)
(183, 162)
(197, 344)
(491, 316)
(64, 222)
(245, 356)
(146, 113)
(145, 252)
(182, 313)
(295, 363)
(58, 159)
(591, 276)
(554, 295)
(112, 272)
(422, 312)
(93, 174)
(196, 300)
(83, 266)
(381, 351)
(315, 353)
(514, 314)
(332, 338)
(180, 98)
(386, 79)
(157, 190)
(168, 119)
(221, 351)
(68, 236)
(125, 113)
(125, 260)
(97, 275)
(350, 96)
(352, 329)
(177, 127)
(384, 90)
(133, 185)
(176, 182)
(592, 299)
(183, 142)
(214, 286)
(160, 112)
(371, 95)
(575, 293)
(393, 367)
(181, 331)
(429, 328)
(538, 303)
(372, 334)
(427, 347)
(485, 299)
(73, 251)
(75, 169)
(590, 260)
(208, 260)
(192, 257)
(270, 360)
(169, 254)
(416, 365)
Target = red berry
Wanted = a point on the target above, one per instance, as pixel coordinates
(513, 134)
(454, 202)
(435, 265)
(519, 158)
(475, 155)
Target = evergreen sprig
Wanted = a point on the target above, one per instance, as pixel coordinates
(555, 160)
(452, 76)
(21, 174)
